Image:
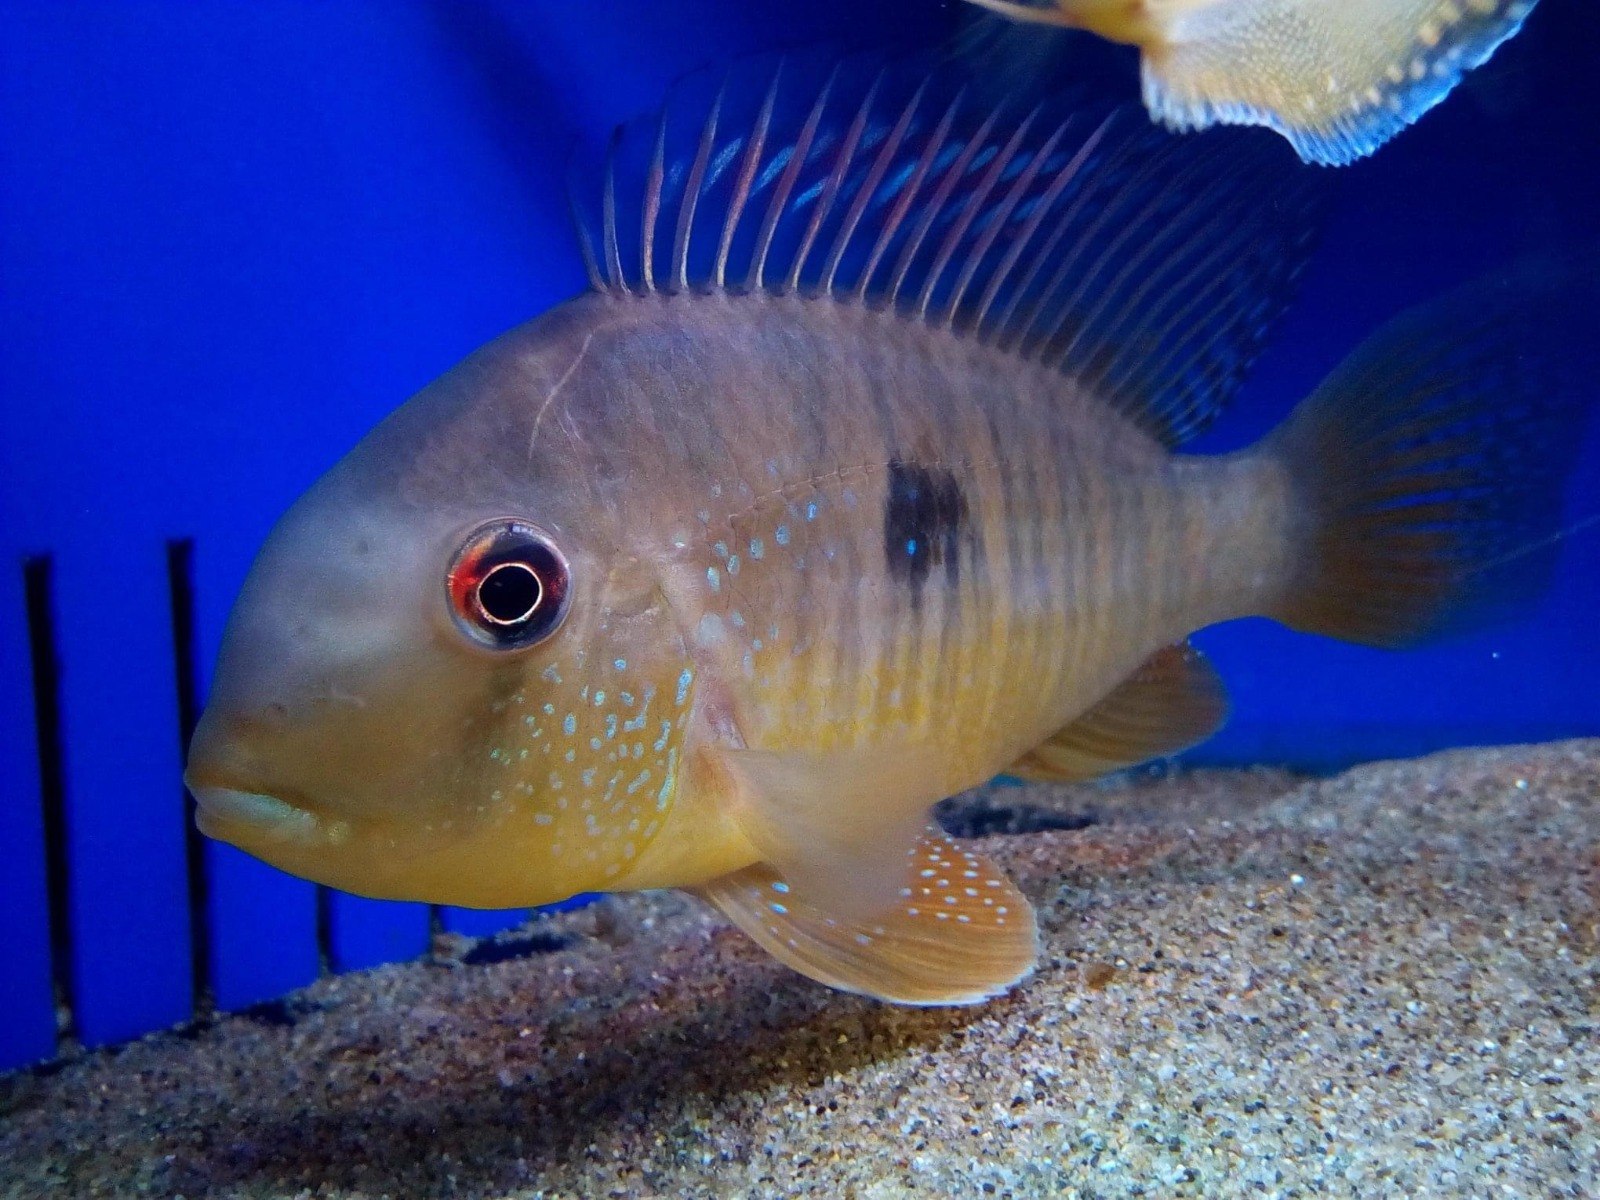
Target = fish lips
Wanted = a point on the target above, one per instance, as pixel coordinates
(221, 808)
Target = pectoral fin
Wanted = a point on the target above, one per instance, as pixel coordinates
(1174, 701)
(956, 932)
(837, 824)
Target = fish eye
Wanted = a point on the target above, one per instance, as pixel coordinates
(508, 585)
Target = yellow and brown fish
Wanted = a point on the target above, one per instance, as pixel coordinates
(850, 482)
(1337, 78)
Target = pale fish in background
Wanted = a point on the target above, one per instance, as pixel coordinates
(848, 484)
(1338, 78)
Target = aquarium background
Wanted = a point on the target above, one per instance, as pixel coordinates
(232, 237)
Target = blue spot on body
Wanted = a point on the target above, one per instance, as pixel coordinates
(570, 725)
(782, 535)
(684, 680)
(757, 548)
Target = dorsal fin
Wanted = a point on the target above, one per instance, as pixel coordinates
(1071, 232)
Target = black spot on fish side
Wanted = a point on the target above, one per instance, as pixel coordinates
(924, 517)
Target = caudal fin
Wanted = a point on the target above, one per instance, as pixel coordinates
(1430, 467)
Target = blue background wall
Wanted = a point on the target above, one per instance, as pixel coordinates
(233, 236)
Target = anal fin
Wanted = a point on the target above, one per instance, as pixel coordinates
(1173, 701)
(958, 931)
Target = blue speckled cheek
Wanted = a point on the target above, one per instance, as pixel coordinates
(586, 756)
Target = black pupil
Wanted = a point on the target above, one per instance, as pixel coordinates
(510, 593)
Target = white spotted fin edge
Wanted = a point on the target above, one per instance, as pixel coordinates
(958, 932)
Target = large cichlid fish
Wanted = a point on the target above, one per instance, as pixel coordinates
(1337, 78)
(849, 483)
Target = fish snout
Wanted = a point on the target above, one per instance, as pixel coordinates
(230, 787)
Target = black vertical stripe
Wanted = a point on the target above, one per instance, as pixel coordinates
(39, 590)
(181, 590)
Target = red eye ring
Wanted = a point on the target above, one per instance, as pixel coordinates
(508, 586)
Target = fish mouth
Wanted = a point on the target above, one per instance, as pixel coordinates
(236, 815)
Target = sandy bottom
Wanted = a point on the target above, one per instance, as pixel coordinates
(1378, 984)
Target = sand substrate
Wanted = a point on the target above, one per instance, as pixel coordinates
(1377, 984)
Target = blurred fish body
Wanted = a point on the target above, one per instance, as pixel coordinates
(850, 483)
(1337, 78)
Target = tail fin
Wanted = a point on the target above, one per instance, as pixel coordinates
(1430, 467)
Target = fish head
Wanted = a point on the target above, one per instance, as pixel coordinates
(450, 675)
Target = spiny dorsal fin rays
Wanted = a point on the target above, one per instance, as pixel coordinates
(1108, 231)
(834, 180)
(936, 207)
(613, 250)
(747, 173)
(591, 268)
(970, 211)
(652, 205)
(1097, 245)
(866, 192)
(691, 193)
(780, 196)
(1006, 329)
(1136, 265)
(1023, 339)
(1002, 214)
(893, 224)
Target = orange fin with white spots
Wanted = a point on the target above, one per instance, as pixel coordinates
(837, 824)
(1337, 78)
(958, 932)
(1173, 701)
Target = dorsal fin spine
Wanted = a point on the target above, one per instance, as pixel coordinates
(1063, 179)
(1146, 267)
(1002, 216)
(1025, 338)
(591, 268)
(868, 189)
(691, 193)
(754, 146)
(1109, 251)
(1040, 336)
(930, 157)
(1189, 299)
(614, 275)
(835, 178)
(779, 203)
(651, 209)
(958, 229)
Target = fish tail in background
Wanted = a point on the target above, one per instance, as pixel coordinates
(1337, 80)
(1430, 468)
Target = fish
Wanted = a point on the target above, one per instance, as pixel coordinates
(1337, 78)
(852, 479)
